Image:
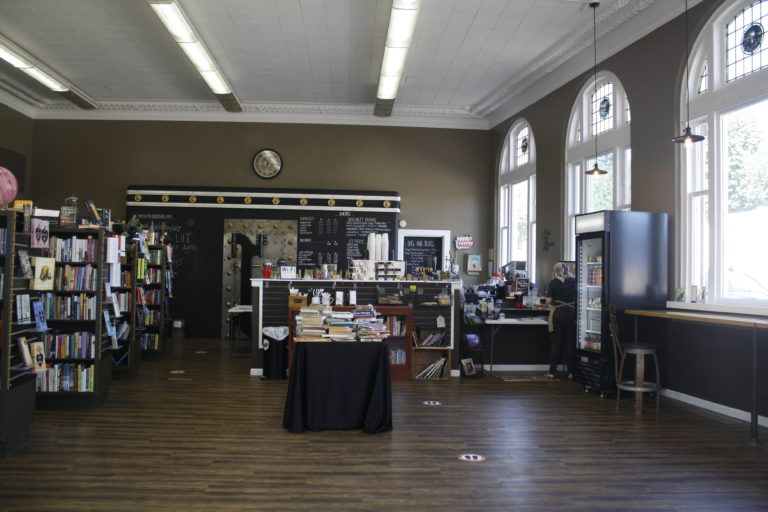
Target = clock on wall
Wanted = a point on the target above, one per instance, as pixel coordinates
(267, 163)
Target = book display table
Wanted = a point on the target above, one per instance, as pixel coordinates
(337, 385)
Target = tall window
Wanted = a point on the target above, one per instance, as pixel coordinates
(601, 110)
(724, 180)
(516, 232)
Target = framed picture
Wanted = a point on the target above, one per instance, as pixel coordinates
(468, 366)
(474, 264)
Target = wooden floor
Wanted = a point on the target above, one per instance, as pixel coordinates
(211, 439)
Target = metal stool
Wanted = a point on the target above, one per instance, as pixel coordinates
(639, 385)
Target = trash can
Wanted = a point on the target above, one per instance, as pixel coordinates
(275, 352)
(178, 329)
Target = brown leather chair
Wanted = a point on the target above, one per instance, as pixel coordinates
(621, 350)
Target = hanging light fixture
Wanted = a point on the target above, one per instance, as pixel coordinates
(687, 137)
(595, 171)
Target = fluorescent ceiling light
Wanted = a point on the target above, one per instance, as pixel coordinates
(388, 87)
(216, 82)
(19, 59)
(402, 22)
(175, 21)
(184, 34)
(198, 56)
(45, 79)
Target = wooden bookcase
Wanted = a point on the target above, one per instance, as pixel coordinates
(399, 342)
(126, 359)
(425, 355)
(151, 288)
(17, 381)
(76, 378)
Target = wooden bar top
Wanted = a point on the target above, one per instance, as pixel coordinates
(703, 317)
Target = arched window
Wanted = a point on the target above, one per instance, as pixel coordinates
(516, 219)
(601, 110)
(723, 208)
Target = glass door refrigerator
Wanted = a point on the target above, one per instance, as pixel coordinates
(621, 259)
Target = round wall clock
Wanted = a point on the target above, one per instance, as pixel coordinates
(267, 163)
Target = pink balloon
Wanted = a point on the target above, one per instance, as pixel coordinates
(9, 187)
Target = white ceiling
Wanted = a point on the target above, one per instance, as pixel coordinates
(472, 62)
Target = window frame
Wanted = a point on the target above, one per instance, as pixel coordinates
(580, 151)
(709, 108)
(511, 173)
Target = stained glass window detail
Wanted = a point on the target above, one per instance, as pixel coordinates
(522, 144)
(602, 108)
(745, 50)
(704, 78)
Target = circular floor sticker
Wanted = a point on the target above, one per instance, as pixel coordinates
(201, 352)
(432, 403)
(471, 457)
(176, 372)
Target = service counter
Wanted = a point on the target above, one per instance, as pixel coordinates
(270, 301)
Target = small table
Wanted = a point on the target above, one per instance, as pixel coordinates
(234, 313)
(501, 322)
(747, 321)
(339, 385)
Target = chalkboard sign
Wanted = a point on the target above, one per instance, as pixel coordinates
(338, 237)
(423, 248)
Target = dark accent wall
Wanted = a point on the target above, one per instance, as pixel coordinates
(16, 134)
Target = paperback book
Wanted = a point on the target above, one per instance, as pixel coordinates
(43, 275)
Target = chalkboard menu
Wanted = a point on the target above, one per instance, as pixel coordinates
(338, 237)
(422, 251)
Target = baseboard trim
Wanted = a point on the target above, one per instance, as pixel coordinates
(256, 372)
(517, 367)
(455, 373)
(714, 407)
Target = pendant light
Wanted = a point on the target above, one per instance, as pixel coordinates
(687, 137)
(595, 171)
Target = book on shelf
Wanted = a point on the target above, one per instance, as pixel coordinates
(27, 218)
(23, 309)
(26, 356)
(40, 322)
(43, 275)
(40, 233)
(26, 266)
(92, 212)
(68, 216)
(37, 349)
(433, 370)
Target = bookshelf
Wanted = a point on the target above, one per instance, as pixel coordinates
(150, 301)
(17, 379)
(431, 353)
(125, 358)
(398, 321)
(79, 353)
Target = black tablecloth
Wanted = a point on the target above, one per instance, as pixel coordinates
(339, 385)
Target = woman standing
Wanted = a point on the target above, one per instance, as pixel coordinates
(561, 296)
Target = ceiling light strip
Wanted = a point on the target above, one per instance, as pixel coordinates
(402, 22)
(24, 62)
(182, 31)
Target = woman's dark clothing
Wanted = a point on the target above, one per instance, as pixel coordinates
(563, 334)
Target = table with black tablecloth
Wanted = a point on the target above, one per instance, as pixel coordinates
(338, 385)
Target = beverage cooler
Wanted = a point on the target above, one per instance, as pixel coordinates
(621, 259)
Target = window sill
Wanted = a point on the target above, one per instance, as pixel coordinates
(718, 308)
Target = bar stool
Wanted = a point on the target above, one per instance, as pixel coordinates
(639, 385)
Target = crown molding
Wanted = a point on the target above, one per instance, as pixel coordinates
(296, 113)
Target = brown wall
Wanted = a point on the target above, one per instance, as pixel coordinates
(442, 175)
(16, 132)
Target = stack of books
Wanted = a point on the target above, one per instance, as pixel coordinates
(341, 326)
(311, 325)
(368, 325)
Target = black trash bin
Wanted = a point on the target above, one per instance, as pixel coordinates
(275, 346)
